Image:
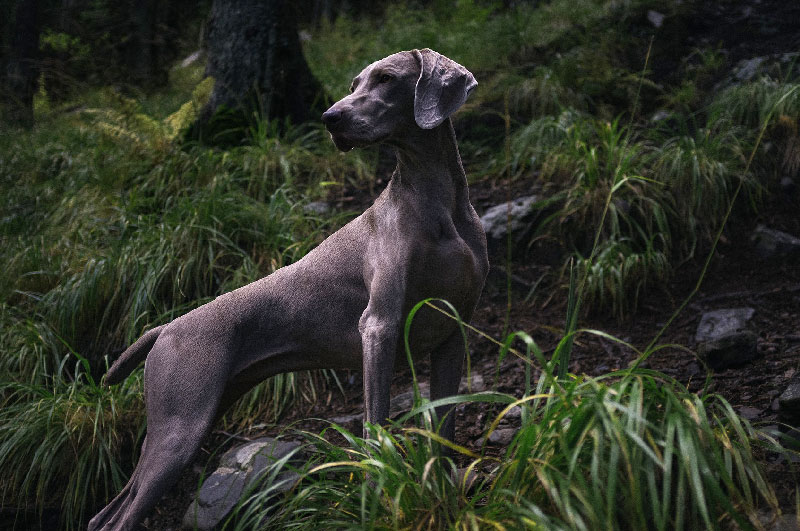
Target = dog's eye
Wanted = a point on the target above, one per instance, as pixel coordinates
(385, 78)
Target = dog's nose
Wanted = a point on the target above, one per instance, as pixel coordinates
(331, 116)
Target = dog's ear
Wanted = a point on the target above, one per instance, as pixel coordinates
(443, 86)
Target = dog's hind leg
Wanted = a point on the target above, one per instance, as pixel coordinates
(179, 417)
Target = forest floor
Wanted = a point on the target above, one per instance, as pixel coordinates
(737, 277)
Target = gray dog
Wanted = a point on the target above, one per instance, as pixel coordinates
(344, 304)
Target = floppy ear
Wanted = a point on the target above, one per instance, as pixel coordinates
(442, 87)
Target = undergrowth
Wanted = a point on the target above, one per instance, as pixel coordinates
(112, 224)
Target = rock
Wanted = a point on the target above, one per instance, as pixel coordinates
(748, 68)
(784, 522)
(788, 186)
(405, 401)
(495, 219)
(465, 477)
(475, 384)
(718, 323)
(771, 243)
(319, 208)
(655, 18)
(724, 340)
(789, 400)
(502, 436)
(660, 115)
(730, 350)
(750, 413)
(347, 420)
(239, 468)
(191, 58)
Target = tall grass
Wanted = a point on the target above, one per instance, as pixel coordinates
(67, 443)
(630, 450)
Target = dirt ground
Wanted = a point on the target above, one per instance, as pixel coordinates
(738, 277)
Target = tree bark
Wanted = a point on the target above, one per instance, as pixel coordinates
(21, 71)
(254, 55)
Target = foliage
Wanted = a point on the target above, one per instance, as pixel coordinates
(67, 439)
(631, 450)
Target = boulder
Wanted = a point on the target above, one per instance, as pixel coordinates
(789, 400)
(495, 219)
(317, 208)
(403, 402)
(239, 468)
(770, 243)
(724, 339)
(718, 323)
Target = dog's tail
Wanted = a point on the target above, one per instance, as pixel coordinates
(132, 357)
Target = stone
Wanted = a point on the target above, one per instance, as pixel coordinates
(403, 402)
(465, 477)
(191, 59)
(771, 243)
(514, 413)
(474, 384)
(788, 186)
(319, 208)
(724, 339)
(655, 18)
(718, 323)
(789, 400)
(748, 68)
(346, 420)
(784, 522)
(239, 468)
(502, 436)
(730, 350)
(495, 219)
(750, 413)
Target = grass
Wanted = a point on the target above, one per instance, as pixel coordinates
(630, 450)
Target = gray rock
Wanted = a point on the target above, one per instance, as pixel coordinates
(730, 350)
(319, 208)
(719, 323)
(655, 18)
(784, 522)
(474, 384)
(789, 400)
(465, 477)
(502, 436)
(771, 243)
(192, 58)
(239, 468)
(750, 413)
(405, 401)
(346, 420)
(788, 185)
(747, 69)
(495, 219)
(724, 340)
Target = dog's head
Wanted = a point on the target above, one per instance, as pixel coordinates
(420, 88)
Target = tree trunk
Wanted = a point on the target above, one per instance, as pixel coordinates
(254, 55)
(21, 72)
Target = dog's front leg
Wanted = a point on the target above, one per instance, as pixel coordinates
(380, 332)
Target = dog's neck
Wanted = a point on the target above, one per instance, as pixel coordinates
(430, 164)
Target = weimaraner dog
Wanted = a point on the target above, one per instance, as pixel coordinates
(344, 304)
